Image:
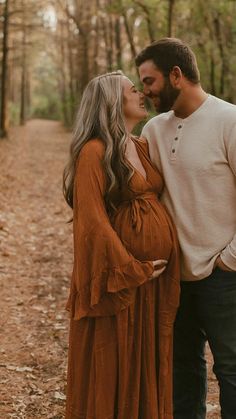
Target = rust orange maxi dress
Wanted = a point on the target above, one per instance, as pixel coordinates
(120, 349)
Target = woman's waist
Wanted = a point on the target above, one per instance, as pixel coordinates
(142, 196)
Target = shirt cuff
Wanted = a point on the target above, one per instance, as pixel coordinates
(228, 258)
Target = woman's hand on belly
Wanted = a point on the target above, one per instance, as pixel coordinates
(159, 267)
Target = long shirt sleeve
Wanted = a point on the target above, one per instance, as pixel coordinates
(228, 255)
(105, 275)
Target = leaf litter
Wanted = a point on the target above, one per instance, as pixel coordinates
(35, 269)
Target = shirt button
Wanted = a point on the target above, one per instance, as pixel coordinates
(179, 126)
(176, 138)
(173, 150)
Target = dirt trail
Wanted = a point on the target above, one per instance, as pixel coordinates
(35, 266)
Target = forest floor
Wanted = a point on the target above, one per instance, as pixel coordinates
(35, 268)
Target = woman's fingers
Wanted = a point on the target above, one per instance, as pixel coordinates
(157, 272)
(159, 263)
(159, 267)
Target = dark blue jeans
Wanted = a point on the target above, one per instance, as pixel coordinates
(207, 312)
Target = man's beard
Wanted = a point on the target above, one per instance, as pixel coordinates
(166, 98)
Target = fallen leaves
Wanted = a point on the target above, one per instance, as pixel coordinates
(35, 268)
(18, 369)
(59, 396)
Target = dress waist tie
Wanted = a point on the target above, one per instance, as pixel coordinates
(138, 205)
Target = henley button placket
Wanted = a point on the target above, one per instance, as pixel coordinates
(176, 141)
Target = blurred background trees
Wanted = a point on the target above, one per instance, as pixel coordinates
(49, 49)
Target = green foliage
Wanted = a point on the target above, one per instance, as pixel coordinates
(67, 110)
(57, 53)
(46, 98)
(14, 113)
(46, 107)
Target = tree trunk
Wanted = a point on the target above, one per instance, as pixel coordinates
(119, 63)
(71, 71)
(170, 17)
(82, 19)
(147, 11)
(28, 89)
(97, 40)
(107, 40)
(23, 77)
(151, 31)
(129, 35)
(130, 39)
(110, 41)
(4, 78)
(221, 46)
(63, 84)
(212, 77)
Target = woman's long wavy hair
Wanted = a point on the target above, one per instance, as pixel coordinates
(100, 115)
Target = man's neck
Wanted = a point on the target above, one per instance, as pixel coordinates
(189, 100)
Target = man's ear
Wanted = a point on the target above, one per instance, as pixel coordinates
(176, 76)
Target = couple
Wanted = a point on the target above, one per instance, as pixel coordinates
(128, 195)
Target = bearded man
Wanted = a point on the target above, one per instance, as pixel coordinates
(193, 143)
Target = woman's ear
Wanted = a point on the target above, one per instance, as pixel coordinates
(176, 76)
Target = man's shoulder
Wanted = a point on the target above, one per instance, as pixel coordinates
(222, 107)
(158, 120)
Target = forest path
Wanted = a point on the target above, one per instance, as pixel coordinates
(35, 268)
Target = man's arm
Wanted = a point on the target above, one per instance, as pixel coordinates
(227, 259)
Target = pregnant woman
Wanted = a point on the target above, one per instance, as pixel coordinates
(125, 282)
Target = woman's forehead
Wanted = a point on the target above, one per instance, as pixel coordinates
(127, 82)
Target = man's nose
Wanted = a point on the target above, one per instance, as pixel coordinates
(146, 91)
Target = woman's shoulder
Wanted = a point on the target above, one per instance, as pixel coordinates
(140, 140)
(93, 147)
(142, 143)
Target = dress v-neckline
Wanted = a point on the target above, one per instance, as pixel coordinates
(135, 169)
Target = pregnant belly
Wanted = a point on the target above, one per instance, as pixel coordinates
(152, 240)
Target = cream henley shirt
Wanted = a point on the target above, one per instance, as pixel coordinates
(197, 158)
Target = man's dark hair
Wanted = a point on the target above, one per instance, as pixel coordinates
(169, 52)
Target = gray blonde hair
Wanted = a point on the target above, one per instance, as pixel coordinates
(100, 115)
